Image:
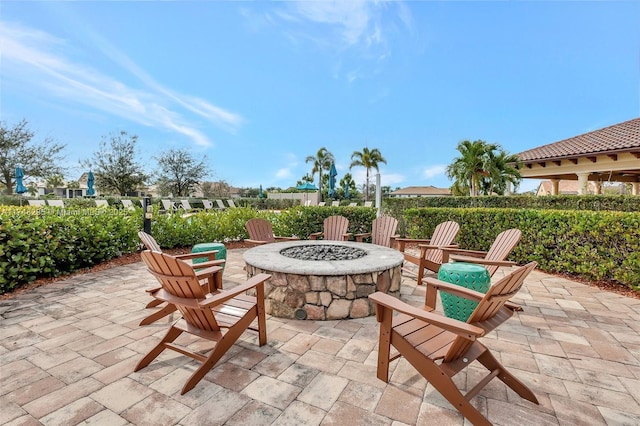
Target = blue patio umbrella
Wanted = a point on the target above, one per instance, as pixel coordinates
(346, 190)
(260, 194)
(20, 188)
(90, 180)
(332, 180)
(307, 186)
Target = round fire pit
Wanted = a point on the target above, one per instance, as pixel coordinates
(324, 280)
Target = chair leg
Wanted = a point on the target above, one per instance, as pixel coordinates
(170, 308)
(171, 335)
(492, 364)
(385, 316)
(153, 303)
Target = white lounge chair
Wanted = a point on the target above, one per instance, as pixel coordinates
(220, 204)
(231, 204)
(55, 203)
(335, 204)
(368, 203)
(169, 206)
(322, 203)
(128, 204)
(38, 203)
(208, 205)
(353, 204)
(102, 203)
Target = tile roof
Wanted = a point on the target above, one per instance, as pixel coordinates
(422, 190)
(620, 137)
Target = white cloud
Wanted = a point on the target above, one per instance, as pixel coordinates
(431, 171)
(284, 173)
(33, 58)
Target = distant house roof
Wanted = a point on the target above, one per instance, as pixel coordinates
(420, 191)
(622, 137)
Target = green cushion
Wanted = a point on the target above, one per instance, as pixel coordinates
(221, 254)
(474, 277)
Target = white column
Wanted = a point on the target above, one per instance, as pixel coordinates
(635, 188)
(555, 186)
(378, 195)
(583, 183)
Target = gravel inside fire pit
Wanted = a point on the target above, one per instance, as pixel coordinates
(325, 252)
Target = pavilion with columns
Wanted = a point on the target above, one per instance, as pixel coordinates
(610, 154)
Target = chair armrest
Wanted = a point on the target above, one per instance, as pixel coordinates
(347, 236)
(315, 235)
(464, 252)
(402, 241)
(450, 324)
(470, 259)
(286, 238)
(202, 273)
(360, 237)
(257, 242)
(456, 289)
(225, 295)
(208, 254)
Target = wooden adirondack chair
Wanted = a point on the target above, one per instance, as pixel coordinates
(492, 259)
(261, 232)
(221, 317)
(209, 273)
(382, 233)
(431, 255)
(335, 229)
(440, 347)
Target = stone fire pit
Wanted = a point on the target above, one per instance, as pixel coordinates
(334, 287)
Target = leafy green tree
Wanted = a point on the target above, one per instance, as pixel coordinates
(114, 165)
(18, 149)
(482, 168)
(347, 180)
(369, 159)
(54, 181)
(321, 162)
(179, 172)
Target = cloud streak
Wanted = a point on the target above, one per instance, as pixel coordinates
(33, 57)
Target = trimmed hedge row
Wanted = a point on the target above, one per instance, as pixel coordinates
(623, 203)
(593, 245)
(49, 242)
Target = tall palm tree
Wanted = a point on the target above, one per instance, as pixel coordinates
(369, 159)
(321, 161)
(472, 166)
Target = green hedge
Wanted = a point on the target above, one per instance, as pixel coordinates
(593, 245)
(623, 203)
(45, 242)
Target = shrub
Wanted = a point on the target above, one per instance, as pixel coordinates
(594, 245)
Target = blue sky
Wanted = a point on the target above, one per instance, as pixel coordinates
(259, 86)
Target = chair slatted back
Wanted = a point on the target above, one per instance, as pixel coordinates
(179, 279)
(501, 247)
(149, 242)
(168, 205)
(208, 205)
(335, 227)
(486, 313)
(186, 206)
(443, 235)
(220, 205)
(260, 230)
(382, 229)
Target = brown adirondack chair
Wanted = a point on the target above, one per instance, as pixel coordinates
(335, 229)
(492, 259)
(431, 255)
(221, 317)
(261, 232)
(209, 273)
(382, 233)
(440, 347)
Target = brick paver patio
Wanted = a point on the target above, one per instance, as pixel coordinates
(67, 352)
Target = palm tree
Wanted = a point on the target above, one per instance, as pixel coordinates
(369, 159)
(321, 161)
(471, 167)
(502, 172)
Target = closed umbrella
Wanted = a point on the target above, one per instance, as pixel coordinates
(90, 180)
(346, 190)
(260, 194)
(20, 188)
(332, 180)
